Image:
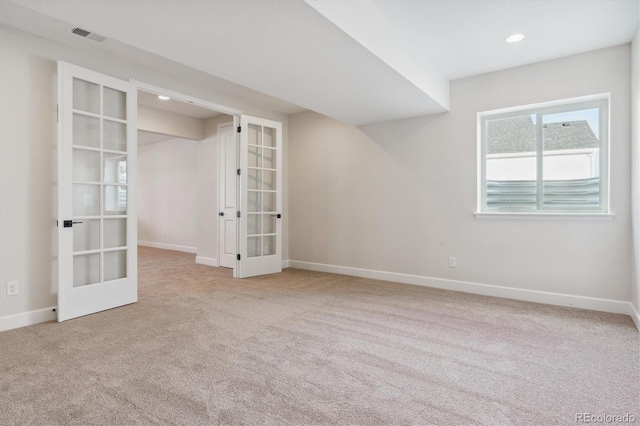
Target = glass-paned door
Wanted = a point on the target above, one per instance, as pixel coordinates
(260, 197)
(97, 247)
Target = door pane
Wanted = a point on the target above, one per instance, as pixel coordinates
(269, 158)
(115, 233)
(86, 131)
(115, 265)
(86, 235)
(269, 179)
(269, 245)
(255, 156)
(86, 200)
(253, 224)
(86, 269)
(86, 96)
(115, 103)
(115, 136)
(86, 166)
(255, 134)
(115, 200)
(115, 168)
(254, 200)
(253, 246)
(269, 137)
(254, 179)
(269, 202)
(269, 224)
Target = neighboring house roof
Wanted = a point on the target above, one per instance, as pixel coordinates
(518, 134)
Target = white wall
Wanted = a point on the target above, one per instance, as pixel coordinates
(169, 123)
(27, 142)
(167, 194)
(635, 161)
(400, 196)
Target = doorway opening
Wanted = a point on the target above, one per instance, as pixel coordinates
(186, 151)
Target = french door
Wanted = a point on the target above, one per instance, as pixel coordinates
(260, 201)
(97, 230)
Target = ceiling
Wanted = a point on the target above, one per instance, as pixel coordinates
(172, 105)
(358, 61)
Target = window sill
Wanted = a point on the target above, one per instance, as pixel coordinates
(543, 215)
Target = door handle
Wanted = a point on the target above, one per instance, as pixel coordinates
(278, 216)
(221, 214)
(76, 222)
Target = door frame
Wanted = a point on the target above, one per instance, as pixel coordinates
(220, 185)
(235, 113)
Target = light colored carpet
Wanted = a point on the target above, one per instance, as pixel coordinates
(313, 348)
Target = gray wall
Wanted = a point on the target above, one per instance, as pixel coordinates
(400, 196)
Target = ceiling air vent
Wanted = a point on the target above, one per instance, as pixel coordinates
(88, 34)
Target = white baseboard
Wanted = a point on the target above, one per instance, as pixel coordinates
(549, 298)
(209, 261)
(24, 319)
(163, 246)
(635, 316)
(285, 264)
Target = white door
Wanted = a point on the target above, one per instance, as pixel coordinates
(260, 223)
(97, 251)
(227, 159)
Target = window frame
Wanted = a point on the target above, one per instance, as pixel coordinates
(600, 101)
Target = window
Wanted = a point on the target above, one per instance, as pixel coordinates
(545, 158)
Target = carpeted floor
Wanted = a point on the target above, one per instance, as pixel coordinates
(309, 348)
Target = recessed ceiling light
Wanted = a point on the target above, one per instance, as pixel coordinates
(164, 98)
(514, 38)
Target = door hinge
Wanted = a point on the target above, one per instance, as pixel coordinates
(238, 214)
(239, 129)
(57, 113)
(238, 172)
(238, 256)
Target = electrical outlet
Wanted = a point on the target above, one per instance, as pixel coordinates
(452, 262)
(12, 288)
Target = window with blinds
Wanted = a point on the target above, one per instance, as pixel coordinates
(545, 158)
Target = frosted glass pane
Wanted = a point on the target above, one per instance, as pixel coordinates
(254, 202)
(269, 224)
(254, 179)
(255, 156)
(86, 131)
(86, 269)
(269, 202)
(269, 159)
(269, 137)
(268, 179)
(86, 96)
(115, 265)
(253, 224)
(115, 103)
(86, 235)
(255, 134)
(115, 233)
(115, 168)
(269, 245)
(115, 136)
(86, 166)
(253, 246)
(86, 200)
(115, 200)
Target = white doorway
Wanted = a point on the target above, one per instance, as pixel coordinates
(227, 194)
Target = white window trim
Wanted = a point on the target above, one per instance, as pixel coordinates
(601, 101)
